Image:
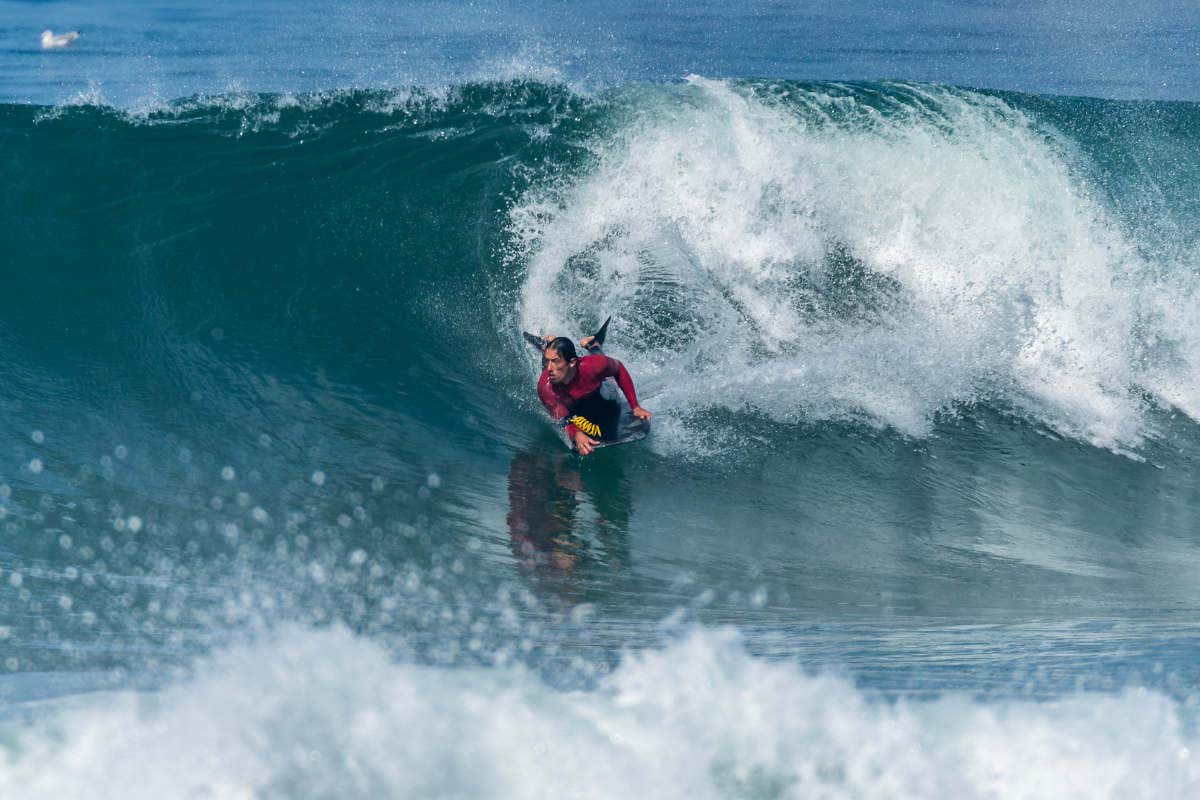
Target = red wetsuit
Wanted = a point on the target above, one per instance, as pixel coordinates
(590, 373)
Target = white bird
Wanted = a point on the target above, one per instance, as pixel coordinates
(53, 41)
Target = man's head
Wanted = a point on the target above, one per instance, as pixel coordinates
(560, 360)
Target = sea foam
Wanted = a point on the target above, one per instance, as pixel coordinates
(321, 713)
(877, 254)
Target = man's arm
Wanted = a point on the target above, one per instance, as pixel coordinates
(615, 369)
(583, 443)
(550, 400)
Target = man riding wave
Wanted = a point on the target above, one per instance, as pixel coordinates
(569, 388)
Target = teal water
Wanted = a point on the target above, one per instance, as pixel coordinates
(280, 514)
(133, 54)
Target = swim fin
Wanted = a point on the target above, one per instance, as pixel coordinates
(600, 334)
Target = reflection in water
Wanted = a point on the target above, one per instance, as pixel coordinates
(566, 519)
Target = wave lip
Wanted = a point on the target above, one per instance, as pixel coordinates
(323, 713)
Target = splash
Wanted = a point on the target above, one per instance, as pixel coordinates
(323, 713)
(880, 254)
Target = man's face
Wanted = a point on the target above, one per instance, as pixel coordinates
(559, 370)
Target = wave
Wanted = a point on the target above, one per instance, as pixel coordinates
(319, 713)
(882, 254)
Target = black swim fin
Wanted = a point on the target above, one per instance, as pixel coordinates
(600, 334)
(540, 343)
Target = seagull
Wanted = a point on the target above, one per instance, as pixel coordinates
(53, 41)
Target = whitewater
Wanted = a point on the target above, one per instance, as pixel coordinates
(281, 516)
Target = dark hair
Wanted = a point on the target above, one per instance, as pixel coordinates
(563, 346)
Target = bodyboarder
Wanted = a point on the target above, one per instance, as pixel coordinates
(569, 388)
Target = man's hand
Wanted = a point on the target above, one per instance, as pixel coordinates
(641, 413)
(584, 443)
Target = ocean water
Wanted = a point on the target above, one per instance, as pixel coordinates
(911, 290)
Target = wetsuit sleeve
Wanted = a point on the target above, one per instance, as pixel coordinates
(552, 403)
(615, 369)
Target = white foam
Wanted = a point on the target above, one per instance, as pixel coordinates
(325, 714)
(712, 223)
(57, 41)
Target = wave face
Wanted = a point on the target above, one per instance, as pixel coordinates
(877, 254)
(924, 367)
